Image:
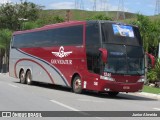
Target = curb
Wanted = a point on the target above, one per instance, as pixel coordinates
(6, 74)
(150, 95)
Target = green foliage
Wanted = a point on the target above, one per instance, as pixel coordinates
(12, 15)
(100, 17)
(5, 37)
(151, 90)
(8, 16)
(49, 20)
(150, 32)
(41, 22)
(29, 25)
(28, 10)
(154, 74)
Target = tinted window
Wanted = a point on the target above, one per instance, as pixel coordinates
(92, 47)
(92, 34)
(122, 59)
(61, 36)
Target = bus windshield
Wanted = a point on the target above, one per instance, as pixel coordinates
(124, 46)
(127, 60)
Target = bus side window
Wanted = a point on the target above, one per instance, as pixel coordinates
(92, 47)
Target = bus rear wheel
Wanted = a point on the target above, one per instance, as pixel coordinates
(29, 78)
(77, 85)
(22, 77)
(112, 94)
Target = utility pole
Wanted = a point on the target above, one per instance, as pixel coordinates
(94, 5)
(68, 15)
(76, 4)
(157, 9)
(104, 6)
(79, 4)
(120, 12)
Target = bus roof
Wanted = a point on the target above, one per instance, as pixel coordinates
(65, 24)
(57, 25)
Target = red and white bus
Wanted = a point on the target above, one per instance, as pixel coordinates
(101, 56)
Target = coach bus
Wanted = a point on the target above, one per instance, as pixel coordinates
(99, 56)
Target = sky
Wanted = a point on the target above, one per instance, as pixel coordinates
(145, 7)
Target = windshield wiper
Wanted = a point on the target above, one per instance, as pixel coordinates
(138, 73)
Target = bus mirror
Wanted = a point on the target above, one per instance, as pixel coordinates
(104, 54)
(151, 60)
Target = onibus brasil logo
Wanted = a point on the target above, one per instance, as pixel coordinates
(61, 54)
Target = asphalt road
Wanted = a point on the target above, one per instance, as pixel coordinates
(43, 97)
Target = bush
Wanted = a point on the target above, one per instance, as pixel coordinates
(153, 75)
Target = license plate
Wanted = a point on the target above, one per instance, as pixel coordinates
(126, 87)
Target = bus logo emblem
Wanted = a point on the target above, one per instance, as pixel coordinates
(61, 53)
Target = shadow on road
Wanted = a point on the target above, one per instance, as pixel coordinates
(120, 96)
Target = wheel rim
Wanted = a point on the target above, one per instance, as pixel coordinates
(77, 84)
(22, 76)
(28, 78)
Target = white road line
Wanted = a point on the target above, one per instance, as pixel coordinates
(73, 109)
(157, 109)
(63, 105)
(13, 85)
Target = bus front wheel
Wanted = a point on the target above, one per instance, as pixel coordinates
(77, 85)
(29, 78)
(22, 77)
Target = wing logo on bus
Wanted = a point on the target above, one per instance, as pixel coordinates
(61, 53)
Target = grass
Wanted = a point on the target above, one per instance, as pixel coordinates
(82, 14)
(149, 89)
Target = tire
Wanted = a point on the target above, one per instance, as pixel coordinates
(77, 85)
(113, 94)
(22, 77)
(29, 78)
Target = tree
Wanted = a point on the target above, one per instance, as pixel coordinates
(12, 15)
(28, 10)
(5, 37)
(149, 32)
(9, 16)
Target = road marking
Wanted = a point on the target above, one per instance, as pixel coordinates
(73, 109)
(13, 85)
(63, 105)
(157, 109)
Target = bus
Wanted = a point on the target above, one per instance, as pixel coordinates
(102, 56)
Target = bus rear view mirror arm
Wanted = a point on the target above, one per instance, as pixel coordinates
(104, 54)
(13, 47)
(152, 62)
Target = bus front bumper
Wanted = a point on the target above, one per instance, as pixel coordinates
(121, 87)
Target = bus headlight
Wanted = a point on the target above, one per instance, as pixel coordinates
(142, 79)
(107, 78)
